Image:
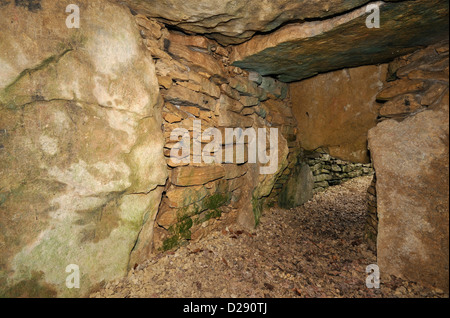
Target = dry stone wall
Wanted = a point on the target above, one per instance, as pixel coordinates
(329, 171)
(415, 83)
(312, 172)
(200, 88)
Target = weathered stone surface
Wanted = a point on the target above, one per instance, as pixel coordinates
(433, 93)
(171, 69)
(165, 81)
(179, 197)
(273, 106)
(199, 60)
(193, 41)
(230, 22)
(250, 205)
(298, 189)
(230, 92)
(247, 87)
(302, 50)
(175, 111)
(337, 109)
(255, 77)
(190, 176)
(248, 101)
(231, 119)
(416, 82)
(322, 177)
(150, 204)
(412, 167)
(274, 87)
(81, 156)
(166, 217)
(423, 63)
(206, 86)
(420, 74)
(191, 110)
(172, 118)
(248, 111)
(226, 103)
(180, 95)
(399, 87)
(400, 105)
(233, 171)
(153, 29)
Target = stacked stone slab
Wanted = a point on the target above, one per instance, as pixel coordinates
(197, 84)
(415, 82)
(311, 172)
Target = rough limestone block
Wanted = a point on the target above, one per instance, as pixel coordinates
(298, 189)
(412, 167)
(81, 160)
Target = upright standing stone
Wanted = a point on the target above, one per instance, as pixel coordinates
(412, 167)
(298, 189)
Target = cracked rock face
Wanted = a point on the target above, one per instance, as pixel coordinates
(231, 21)
(78, 173)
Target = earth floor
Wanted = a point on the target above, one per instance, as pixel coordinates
(316, 250)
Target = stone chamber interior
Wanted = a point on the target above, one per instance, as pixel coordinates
(352, 119)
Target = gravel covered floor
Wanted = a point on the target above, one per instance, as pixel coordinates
(316, 250)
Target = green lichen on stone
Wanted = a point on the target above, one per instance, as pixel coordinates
(180, 232)
(257, 209)
(371, 237)
(31, 288)
(39, 67)
(213, 204)
(12, 96)
(261, 112)
(190, 211)
(271, 204)
(76, 41)
(170, 243)
(213, 214)
(182, 229)
(209, 214)
(210, 204)
(215, 201)
(3, 197)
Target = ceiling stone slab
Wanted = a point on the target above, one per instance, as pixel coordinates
(236, 21)
(301, 50)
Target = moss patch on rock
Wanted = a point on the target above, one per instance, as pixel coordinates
(31, 288)
(180, 233)
(194, 214)
(257, 209)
